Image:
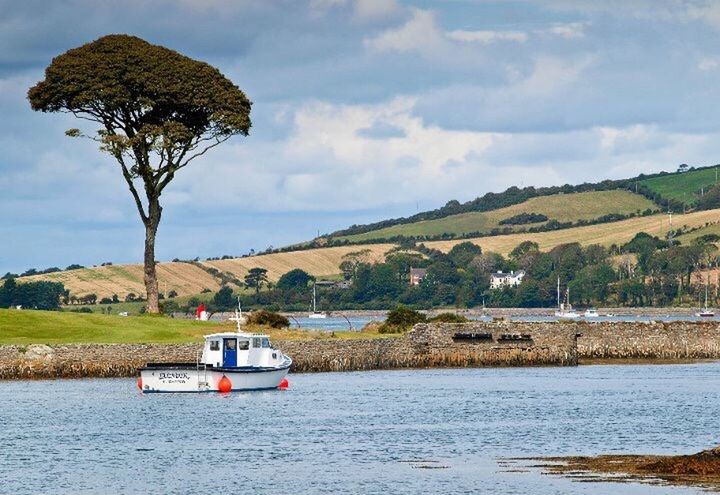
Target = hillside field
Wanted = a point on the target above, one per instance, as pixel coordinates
(604, 234)
(188, 279)
(560, 207)
(684, 187)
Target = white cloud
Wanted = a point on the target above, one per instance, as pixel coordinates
(707, 12)
(487, 36)
(568, 31)
(708, 63)
(419, 34)
(375, 9)
(422, 34)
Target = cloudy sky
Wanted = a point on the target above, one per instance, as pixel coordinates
(363, 110)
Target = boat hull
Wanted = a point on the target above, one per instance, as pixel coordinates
(190, 378)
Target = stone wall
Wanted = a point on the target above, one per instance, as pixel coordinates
(656, 340)
(473, 344)
(425, 346)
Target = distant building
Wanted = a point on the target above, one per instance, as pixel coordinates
(499, 280)
(417, 275)
(343, 284)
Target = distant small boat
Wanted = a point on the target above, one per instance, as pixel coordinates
(706, 312)
(565, 310)
(591, 313)
(315, 313)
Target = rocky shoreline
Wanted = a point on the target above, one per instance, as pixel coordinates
(701, 469)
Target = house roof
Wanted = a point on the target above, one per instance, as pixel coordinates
(506, 275)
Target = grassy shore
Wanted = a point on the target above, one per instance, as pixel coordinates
(52, 327)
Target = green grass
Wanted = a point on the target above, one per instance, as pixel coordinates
(690, 236)
(132, 308)
(683, 187)
(53, 327)
(561, 207)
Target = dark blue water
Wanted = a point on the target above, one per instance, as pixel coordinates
(369, 432)
(334, 323)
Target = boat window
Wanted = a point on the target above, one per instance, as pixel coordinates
(266, 342)
(214, 345)
(243, 345)
(256, 342)
(230, 344)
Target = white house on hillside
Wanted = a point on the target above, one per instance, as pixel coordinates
(499, 280)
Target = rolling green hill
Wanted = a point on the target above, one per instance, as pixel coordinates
(560, 207)
(683, 187)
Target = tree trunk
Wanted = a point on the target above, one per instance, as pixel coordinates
(151, 283)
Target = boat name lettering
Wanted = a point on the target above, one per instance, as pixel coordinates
(174, 376)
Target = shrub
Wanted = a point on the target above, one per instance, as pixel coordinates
(81, 310)
(401, 319)
(268, 318)
(524, 218)
(448, 318)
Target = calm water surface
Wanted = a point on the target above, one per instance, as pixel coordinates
(368, 432)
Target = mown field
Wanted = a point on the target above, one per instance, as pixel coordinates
(187, 279)
(53, 327)
(560, 207)
(710, 229)
(683, 187)
(322, 263)
(604, 234)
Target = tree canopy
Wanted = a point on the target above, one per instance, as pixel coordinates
(157, 110)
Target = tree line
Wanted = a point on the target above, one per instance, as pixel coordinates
(646, 271)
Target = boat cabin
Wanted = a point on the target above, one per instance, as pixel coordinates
(236, 350)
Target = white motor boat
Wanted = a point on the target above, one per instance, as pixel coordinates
(230, 361)
(591, 313)
(315, 313)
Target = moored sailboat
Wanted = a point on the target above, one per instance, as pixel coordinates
(565, 309)
(315, 313)
(706, 312)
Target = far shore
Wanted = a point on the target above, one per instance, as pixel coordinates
(490, 312)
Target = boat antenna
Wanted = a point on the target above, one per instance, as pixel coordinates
(238, 314)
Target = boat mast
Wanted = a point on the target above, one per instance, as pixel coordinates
(558, 292)
(314, 308)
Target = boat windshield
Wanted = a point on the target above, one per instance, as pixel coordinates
(266, 342)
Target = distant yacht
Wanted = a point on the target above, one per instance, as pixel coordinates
(565, 310)
(591, 313)
(315, 313)
(706, 312)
